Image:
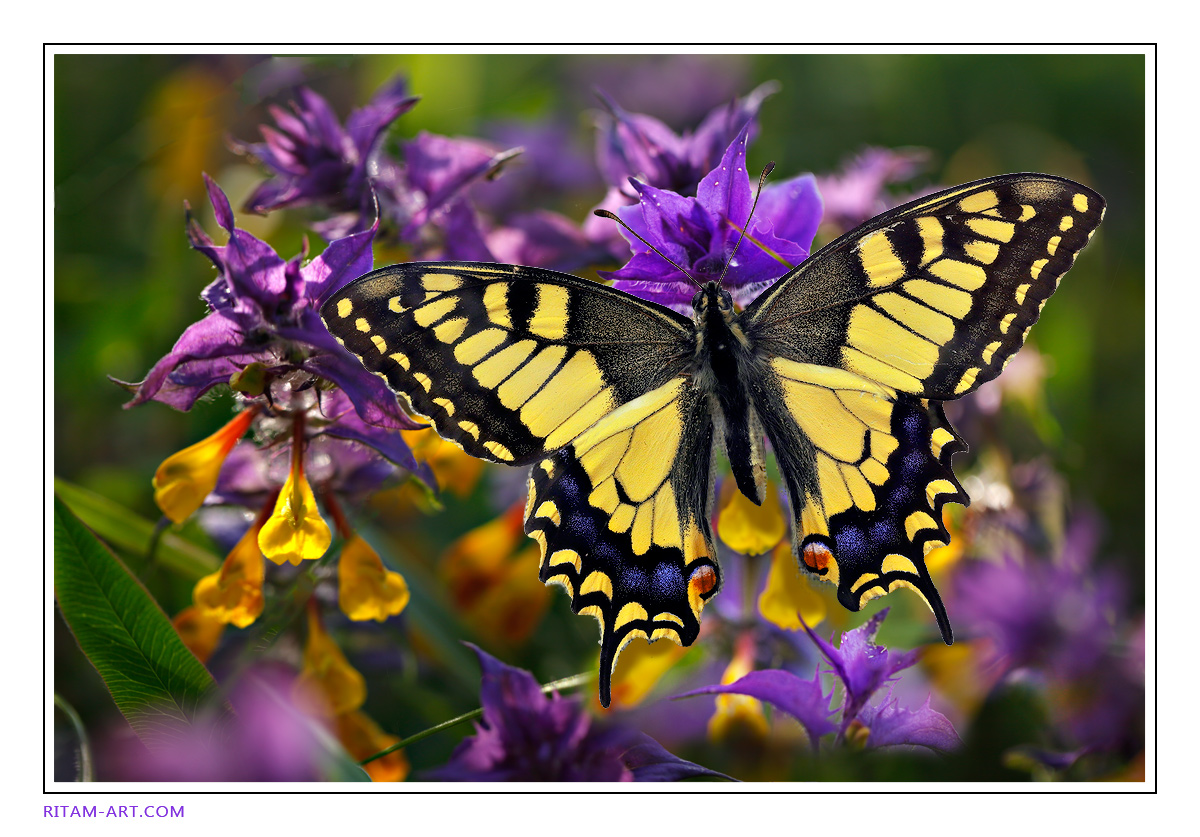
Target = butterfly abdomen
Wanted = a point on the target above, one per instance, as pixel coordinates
(725, 364)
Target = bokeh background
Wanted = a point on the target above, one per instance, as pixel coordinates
(133, 133)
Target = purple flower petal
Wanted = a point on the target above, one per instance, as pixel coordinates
(220, 203)
(862, 666)
(367, 124)
(464, 238)
(725, 191)
(375, 403)
(441, 168)
(804, 700)
(650, 761)
(890, 724)
(526, 735)
(343, 261)
(215, 336)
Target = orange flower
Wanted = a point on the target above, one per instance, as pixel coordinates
(328, 685)
(455, 469)
(362, 737)
(366, 589)
(200, 632)
(295, 532)
(234, 593)
(745, 527)
(787, 598)
(185, 478)
(498, 593)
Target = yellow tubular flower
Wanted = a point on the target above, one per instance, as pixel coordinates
(366, 589)
(199, 631)
(362, 737)
(234, 593)
(747, 528)
(328, 685)
(738, 716)
(185, 478)
(295, 531)
(787, 598)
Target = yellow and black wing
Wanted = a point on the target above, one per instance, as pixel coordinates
(521, 365)
(865, 339)
(934, 297)
(622, 517)
(867, 470)
(508, 362)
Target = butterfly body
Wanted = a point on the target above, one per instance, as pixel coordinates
(618, 403)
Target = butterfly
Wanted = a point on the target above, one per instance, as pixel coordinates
(618, 403)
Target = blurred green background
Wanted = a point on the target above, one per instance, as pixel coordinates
(133, 133)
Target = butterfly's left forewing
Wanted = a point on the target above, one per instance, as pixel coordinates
(621, 515)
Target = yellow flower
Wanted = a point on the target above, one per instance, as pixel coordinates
(234, 593)
(199, 631)
(641, 665)
(328, 685)
(738, 716)
(455, 469)
(185, 478)
(747, 528)
(367, 590)
(362, 737)
(498, 592)
(295, 531)
(787, 598)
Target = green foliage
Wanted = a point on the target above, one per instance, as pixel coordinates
(156, 682)
(127, 530)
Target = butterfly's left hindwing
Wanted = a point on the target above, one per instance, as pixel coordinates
(867, 470)
(621, 515)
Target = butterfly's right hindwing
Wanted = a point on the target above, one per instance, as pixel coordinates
(509, 362)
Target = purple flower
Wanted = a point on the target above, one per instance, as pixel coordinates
(679, 89)
(539, 238)
(862, 668)
(264, 311)
(313, 159)
(634, 145)
(639, 146)
(549, 169)
(437, 173)
(528, 736)
(699, 233)
(268, 740)
(1063, 620)
(857, 193)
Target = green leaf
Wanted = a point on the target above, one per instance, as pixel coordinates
(156, 682)
(127, 530)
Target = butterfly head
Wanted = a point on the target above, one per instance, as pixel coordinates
(712, 298)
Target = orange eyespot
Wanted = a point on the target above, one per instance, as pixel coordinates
(703, 580)
(816, 558)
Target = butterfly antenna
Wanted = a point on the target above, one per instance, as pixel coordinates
(762, 178)
(604, 213)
